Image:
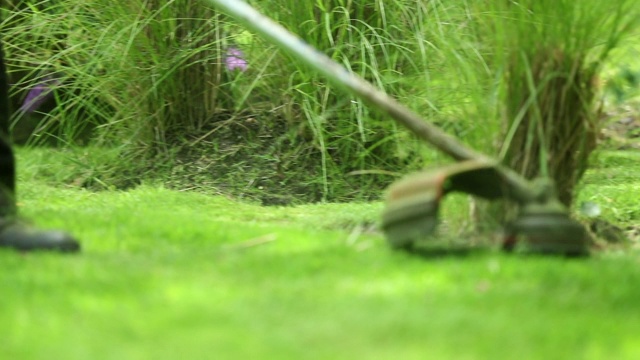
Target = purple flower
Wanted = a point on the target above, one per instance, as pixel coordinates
(234, 60)
(40, 93)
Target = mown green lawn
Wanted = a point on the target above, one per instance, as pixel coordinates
(168, 275)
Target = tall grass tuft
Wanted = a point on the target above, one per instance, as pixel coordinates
(175, 56)
(44, 42)
(551, 53)
(155, 66)
(152, 72)
(348, 137)
(149, 76)
(420, 52)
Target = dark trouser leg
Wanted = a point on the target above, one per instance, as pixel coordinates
(7, 161)
(14, 234)
(7, 180)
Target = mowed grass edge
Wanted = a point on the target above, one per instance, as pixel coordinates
(166, 274)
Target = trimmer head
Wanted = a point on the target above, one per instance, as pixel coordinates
(543, 224)
(408, 220)
(412, 204)
(411, 213)
(548, 229)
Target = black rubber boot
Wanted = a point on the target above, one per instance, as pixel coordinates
(23, 237)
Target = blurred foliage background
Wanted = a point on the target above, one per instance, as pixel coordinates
(148, 86)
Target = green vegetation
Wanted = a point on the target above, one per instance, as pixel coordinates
(180, 258)
(552, 53)
(149, 80)
(168, 274)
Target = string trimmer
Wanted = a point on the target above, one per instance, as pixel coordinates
(412, 203)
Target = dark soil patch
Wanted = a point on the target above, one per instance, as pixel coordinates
(248, 156)
(262, 158)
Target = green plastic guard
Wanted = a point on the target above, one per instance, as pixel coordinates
(408, 220)
(411, 211)
(548, 229)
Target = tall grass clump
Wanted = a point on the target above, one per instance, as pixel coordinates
(46, 44)
(150, 77)
(420, 52)
(550, 54)
(348, 138)
(136, 69)
(141, 74)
